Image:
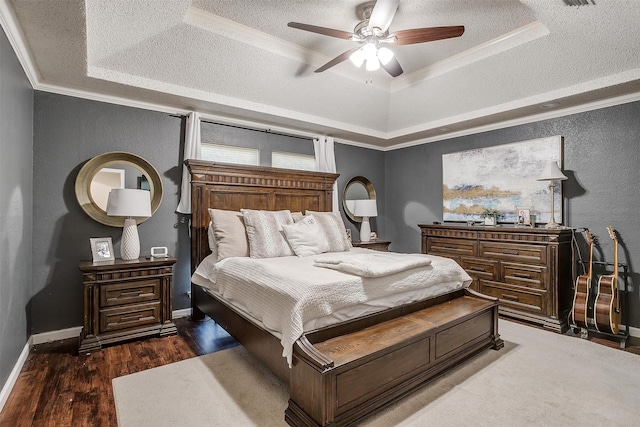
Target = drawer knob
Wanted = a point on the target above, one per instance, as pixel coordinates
(510, 252)
(134, 318)
(509, 297)
(522, 275)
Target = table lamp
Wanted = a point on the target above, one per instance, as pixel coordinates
(129, 202)
(552, 173)
(365, 209)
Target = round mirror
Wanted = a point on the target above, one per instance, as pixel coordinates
(115, 170)
(358, 188)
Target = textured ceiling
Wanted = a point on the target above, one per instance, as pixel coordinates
(239, 61)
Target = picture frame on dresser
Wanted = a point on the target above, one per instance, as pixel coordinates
(102, 249)
(524, 216)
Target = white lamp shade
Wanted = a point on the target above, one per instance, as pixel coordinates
(385, 55)
(552, 172)
(365, 208)
(129, 202)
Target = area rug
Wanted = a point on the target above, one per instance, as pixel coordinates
(540, 378)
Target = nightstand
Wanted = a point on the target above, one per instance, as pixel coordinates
(125, 300)
(376, 245)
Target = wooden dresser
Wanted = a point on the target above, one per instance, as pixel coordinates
(125, 300)
(528, 269)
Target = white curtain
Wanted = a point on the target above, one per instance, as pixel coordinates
(192, 150)
(326, 162)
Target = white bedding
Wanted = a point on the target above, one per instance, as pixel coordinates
(289, 295)
(374, 264)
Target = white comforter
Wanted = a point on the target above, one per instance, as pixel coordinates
(288, 294)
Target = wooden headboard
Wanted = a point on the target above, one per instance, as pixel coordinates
(234, 187)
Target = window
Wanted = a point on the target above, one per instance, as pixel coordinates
(284, 160)
(230, 154)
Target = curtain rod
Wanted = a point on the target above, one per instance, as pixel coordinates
(269, 131)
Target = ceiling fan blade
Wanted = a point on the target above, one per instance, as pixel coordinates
(321, 30)
(383, 13)
(338, 59)
(421, 35)
(393, 67)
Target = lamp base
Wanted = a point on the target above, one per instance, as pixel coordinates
(365, 230)
(130, 244)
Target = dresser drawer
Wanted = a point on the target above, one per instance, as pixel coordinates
(480, 268)
(519, 298)
(115, 294)
(132, 316)
(521, 253)
(530, 276)
(451, 247)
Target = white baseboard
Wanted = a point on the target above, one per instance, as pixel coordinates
(184, 312)
(51, 336)
(13, 376)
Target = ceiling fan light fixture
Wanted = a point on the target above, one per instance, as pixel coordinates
(373, 64)
(385, 55)
(357, 58)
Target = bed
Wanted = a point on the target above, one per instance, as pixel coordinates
(341, 371)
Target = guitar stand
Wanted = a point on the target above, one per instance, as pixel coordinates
(621, 336)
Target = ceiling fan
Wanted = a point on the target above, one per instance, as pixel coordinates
(373, 31)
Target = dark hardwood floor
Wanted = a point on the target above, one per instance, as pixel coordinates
(58, 387)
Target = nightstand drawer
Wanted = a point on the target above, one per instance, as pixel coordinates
(526, 254)
(133, 316)
(115, 294)
(519, 298)
(530, 276)
(451, 247)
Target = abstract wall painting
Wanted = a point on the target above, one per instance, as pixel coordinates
(501, 177)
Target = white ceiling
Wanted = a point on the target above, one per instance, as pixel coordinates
(238, 61)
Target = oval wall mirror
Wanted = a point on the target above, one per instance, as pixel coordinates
(358, 188)
(112, 170)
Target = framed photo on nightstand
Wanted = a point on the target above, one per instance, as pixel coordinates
(102, 249)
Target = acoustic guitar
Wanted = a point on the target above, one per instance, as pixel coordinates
(607, 307)
(582, 290)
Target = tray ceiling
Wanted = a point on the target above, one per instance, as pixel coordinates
(238, 61)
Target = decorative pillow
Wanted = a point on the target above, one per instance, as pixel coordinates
(230, 233)
(264, 230)
(306, 237)
(334, 230)
(211, 236)
(297, 216)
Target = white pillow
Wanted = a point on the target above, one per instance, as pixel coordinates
(334, 230)
(211, 236)
(306, 237)
(264, 230)
(230, 234)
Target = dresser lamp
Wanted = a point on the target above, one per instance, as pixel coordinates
(365, 209)
(129, 203)
(552, 173)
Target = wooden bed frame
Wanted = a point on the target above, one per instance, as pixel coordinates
(347, 371)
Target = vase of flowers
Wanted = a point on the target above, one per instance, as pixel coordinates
(490, 216)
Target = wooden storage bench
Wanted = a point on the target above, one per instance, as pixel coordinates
(337, 380)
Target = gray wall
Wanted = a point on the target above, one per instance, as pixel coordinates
(601, 158)
(68, 132)
(16, 211)
(354, 161)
